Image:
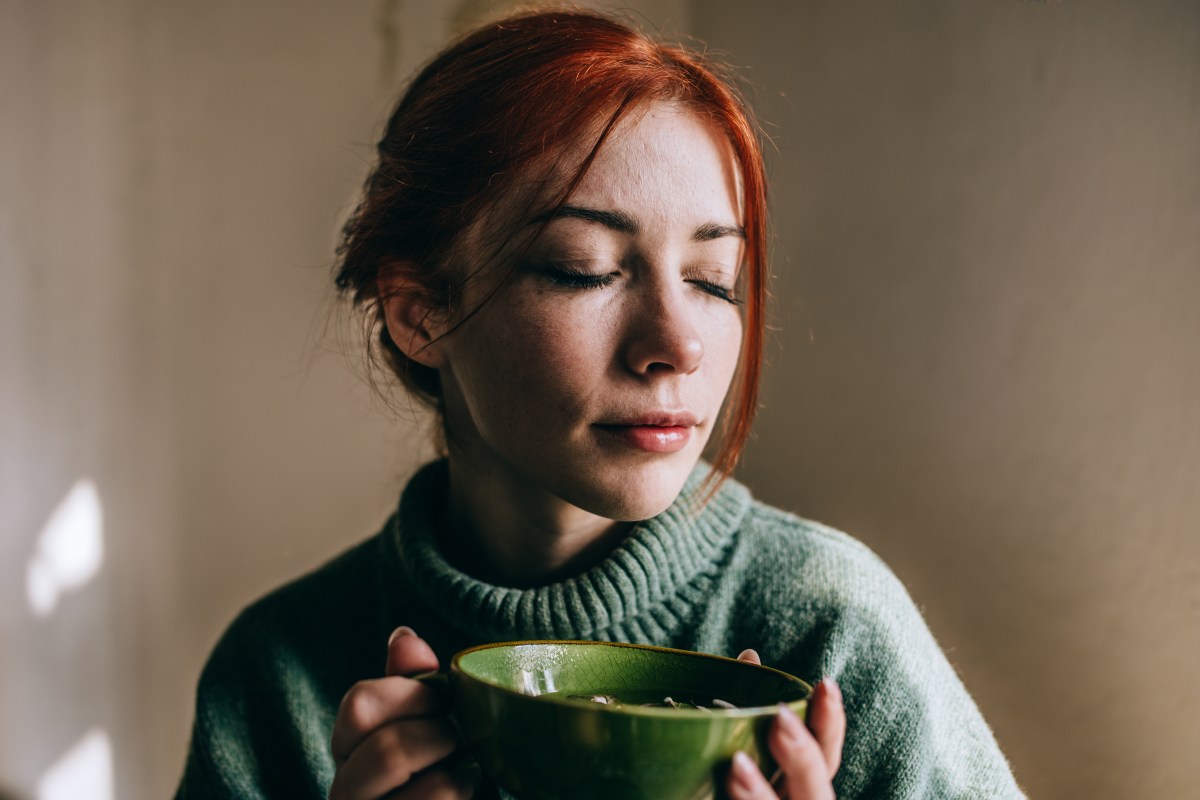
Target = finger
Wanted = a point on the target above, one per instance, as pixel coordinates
(390, 756)
(800, 757)
(827, 721)
(746, 781)
(409, 654)
(370, 704)
(749, 655)
(439, 783)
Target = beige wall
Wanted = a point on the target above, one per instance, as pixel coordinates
(987, 365)
(171, 181)
(988, 356)
(172, 176)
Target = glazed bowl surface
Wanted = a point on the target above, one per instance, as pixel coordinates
(550, 720)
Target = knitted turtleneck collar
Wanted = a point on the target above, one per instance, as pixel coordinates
(662, 557)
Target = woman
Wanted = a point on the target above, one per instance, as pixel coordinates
(562, 250)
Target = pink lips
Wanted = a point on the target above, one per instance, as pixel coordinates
(654, 433)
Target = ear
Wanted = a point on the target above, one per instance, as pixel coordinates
(413, 322)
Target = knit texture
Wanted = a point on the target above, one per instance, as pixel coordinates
(719, 578)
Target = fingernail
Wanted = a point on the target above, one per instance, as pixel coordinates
(791, 724)
(743, 771)
(403, 630)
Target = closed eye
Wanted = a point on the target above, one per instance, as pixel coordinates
(576, 279)
(716, 290)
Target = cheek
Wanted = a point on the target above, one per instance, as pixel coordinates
(723, 349)
(561, 346)
(542, 359)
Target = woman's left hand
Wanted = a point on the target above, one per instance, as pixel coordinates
(808, 757)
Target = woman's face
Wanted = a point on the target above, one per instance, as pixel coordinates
(597, 372)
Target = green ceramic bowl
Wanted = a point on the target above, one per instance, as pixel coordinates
(518, 707)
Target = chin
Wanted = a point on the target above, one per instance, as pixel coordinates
(632, 494)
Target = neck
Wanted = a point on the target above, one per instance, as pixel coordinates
(509, 534)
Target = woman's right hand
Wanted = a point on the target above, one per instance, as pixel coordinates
(391, 732)
(808, 756)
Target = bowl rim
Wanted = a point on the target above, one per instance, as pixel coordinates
(797, 705)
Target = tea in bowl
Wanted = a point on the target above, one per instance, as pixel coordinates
(549, 720)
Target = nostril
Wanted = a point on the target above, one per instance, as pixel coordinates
(666, 354)
(663, 337)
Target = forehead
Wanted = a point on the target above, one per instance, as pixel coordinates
(668, 163)
(662, 163)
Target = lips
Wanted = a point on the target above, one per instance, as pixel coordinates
(655, 432)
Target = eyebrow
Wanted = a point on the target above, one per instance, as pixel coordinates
(623, 223)
(711, 230)
(616, 220)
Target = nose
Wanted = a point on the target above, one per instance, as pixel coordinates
(662, 336)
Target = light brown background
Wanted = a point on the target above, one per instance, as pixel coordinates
(987, 362)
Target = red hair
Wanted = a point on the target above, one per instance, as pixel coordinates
(489, 109)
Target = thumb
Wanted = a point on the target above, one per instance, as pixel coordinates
(749, 655)
(409, 654)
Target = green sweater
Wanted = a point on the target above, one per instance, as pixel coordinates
(735, 574)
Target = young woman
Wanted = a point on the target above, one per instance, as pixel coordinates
(562, 250)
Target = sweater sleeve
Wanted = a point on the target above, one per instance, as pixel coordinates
(262, 726)
(221, 761)
(913, 731)
(820, 604)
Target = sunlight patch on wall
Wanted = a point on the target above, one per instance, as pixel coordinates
(85, 772)
(69, 550)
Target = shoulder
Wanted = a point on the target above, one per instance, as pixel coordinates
(780, 528)
(819, 584)
(305, 615)
(298, 647)
(832, 608)
(809, 561)
(269, 690)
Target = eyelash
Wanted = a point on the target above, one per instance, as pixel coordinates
(571, 279)
(583, 280)
(717, 291)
